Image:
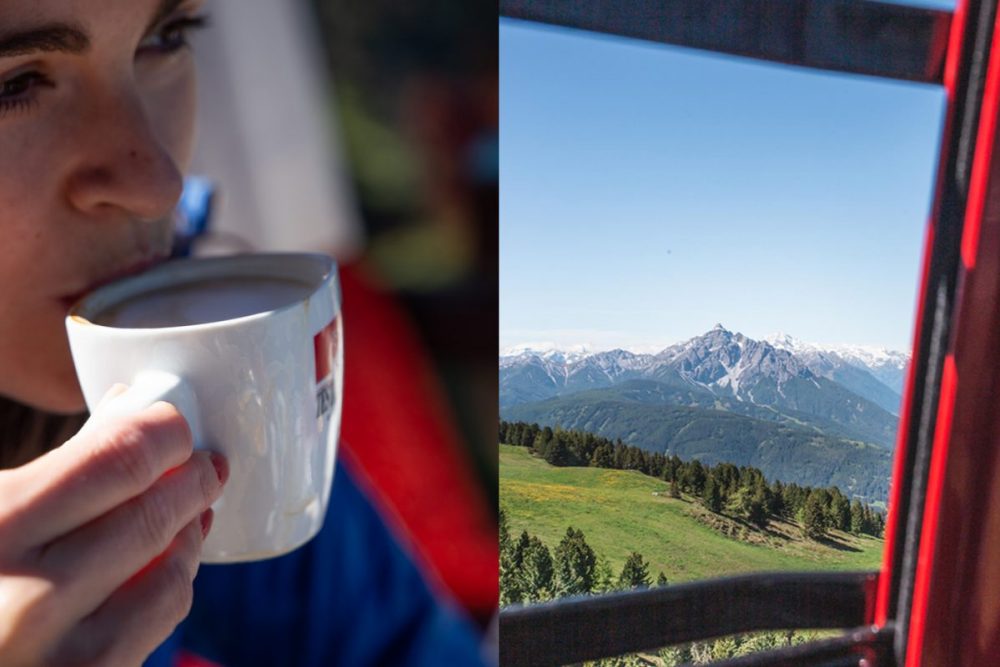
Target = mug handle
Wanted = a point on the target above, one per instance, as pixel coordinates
(149, 387)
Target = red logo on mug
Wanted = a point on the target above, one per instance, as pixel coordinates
(325, 345)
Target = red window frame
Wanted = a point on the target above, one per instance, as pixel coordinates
(935, 600)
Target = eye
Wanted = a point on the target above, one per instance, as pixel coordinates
(172, 35)
(20, 84)
(16, 92)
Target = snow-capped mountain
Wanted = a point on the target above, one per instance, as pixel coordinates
(546, 351)
(886, 366)
(723, 370)
(532, 375)
(723, 360)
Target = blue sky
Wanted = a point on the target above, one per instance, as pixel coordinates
(648, 192)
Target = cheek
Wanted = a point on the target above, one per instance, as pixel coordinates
(29, 157)
(28, 195)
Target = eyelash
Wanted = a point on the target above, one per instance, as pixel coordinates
(23, 99)
(179, 27)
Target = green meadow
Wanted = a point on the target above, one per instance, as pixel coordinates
(624, 511)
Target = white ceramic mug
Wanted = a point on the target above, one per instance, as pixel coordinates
(264, 389)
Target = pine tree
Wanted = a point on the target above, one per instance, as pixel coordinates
(574, 564)
(604, 581)
(519, 434)
(857, 518)
(635, 574)
(776, 500)
(603, 456)
(504, 532)
(674, 464)
(512, 589)
(695, 478)
(536, 571)
(510, 582)
(840, 512)
(558, 453)
(633, 459)
(542, 441)
(793, 499)
(675, 490)
(869, 520)
(529, 434)
(657, 463)
(618, 456)
(661, 579)
(814, 516)
(711, 496)
(757, 508)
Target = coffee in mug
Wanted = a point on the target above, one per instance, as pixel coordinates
(248, 348)
(203, 302)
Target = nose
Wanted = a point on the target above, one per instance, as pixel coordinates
(120, 164)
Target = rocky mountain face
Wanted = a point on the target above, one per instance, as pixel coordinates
(779, 379)
(875, 373)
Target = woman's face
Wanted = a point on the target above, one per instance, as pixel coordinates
(96, 126)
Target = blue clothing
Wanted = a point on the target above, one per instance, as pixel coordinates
(351, 596)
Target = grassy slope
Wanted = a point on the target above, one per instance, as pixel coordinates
(618, 513)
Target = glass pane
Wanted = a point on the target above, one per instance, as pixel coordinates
(708, 273)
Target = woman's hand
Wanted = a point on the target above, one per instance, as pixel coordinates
(100, 541)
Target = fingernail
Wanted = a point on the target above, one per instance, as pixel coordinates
(206, 522)
(221, 467)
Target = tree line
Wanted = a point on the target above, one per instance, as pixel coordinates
(723, 488)
(530, 572)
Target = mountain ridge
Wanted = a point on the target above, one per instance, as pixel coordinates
(800, 382)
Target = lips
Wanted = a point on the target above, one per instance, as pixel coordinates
(144, 265)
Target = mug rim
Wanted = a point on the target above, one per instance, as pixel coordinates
(317, 269)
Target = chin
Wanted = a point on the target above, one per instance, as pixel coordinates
(67, 405)
(65, 396)
(57, 403)
(57, 394)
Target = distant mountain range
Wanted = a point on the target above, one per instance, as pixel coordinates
(888, 367)
(725, 363)
(779, 404)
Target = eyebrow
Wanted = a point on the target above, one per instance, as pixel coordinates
(65, 37)
(60, 37)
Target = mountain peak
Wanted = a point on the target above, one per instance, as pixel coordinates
(730, 365)
(784, 341)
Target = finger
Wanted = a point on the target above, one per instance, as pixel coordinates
(142, 613)
(97, 558)
(97, 416)
(93, 472)
(117, 389)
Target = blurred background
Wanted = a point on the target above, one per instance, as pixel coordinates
(368, 130)
(416, 98)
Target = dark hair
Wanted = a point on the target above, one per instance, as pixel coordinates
(26, 433)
